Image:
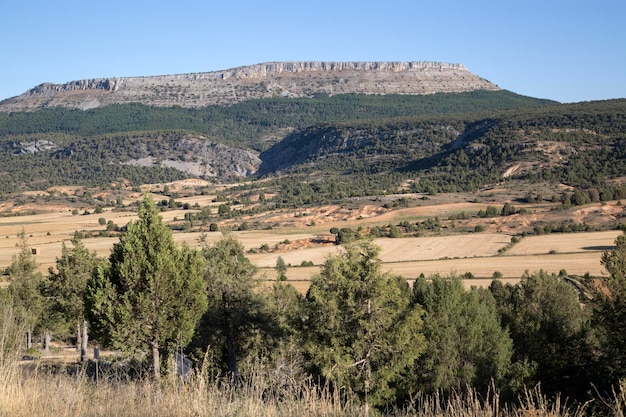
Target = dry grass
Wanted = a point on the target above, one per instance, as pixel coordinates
(39, 394)
(35, 392)
(60, 395)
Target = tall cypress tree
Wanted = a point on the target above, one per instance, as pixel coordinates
(151, 295)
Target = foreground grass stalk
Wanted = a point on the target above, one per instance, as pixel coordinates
(62, 395)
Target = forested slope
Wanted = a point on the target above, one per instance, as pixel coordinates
(444, 142)
(134, 143)
(581, 145)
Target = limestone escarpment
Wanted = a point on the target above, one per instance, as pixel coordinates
(274, 79)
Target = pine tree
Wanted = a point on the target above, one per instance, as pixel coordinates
(549, 331)
(66, 288)
(25, 287)
(151, 295)
(609, 314)
(283, 333)
(465, 343)
(234, 314)
(361, 331)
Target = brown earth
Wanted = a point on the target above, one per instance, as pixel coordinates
(303, 235)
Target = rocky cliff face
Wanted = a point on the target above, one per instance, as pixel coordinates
(274, 79)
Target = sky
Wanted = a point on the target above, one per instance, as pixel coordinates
(568, 51)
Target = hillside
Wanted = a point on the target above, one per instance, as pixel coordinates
(530, 142)
(267, 80)
(331, 146)
(578, 144)
(135, 143)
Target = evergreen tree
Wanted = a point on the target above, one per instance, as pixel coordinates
(549, 331)
(66, 288)
(281, 269)
(465, 345)
(609, 314)
(151, 295)
(12, 331)
(360, 330)
(615, 263)
(25, 287)
(235, 312)
(283, 334)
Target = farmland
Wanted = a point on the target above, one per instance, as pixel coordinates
(301, 240)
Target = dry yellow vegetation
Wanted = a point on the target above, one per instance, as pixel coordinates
(297, 241)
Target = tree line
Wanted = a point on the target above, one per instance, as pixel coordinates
(245, 123)
(358, 329)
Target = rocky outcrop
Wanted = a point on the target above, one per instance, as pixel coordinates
(109, 84)
(200, 157)
(282, 79)
(42, 145)
(274, 68)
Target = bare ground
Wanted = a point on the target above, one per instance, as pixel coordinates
(302, 235)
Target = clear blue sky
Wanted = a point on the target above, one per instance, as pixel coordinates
(562, 50)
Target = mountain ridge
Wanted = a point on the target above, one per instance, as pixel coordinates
(265, 80)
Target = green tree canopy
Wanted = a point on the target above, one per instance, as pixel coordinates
(232, 322)
(151, 295)
(548, 328)
(281, 269)
(609, 314)
(465, 344)
(25, 287)
(361, 331)
(66, 288)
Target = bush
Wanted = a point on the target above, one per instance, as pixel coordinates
(346, 235)
(394, 232)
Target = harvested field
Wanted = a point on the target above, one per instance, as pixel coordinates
(480, 254)
(511, 268)
(425, 248)
(400, 250)
(565, 243)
